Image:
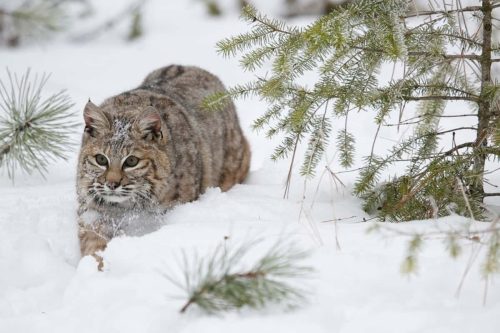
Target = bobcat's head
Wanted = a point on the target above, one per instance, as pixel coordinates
(121, 159)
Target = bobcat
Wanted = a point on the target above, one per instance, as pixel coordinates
(150, 148)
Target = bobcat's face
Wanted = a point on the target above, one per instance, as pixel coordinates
(120, 160)
(118, 176)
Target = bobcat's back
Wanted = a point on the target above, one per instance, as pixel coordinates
(223, 148)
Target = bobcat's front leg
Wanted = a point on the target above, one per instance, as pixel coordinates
(92, 241)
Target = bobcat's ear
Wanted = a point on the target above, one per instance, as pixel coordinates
(95, 119)
(150, 124)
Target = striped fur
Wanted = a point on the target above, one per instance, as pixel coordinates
(180, 150)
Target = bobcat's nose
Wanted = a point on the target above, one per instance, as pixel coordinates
(113, 179)
(112, 185)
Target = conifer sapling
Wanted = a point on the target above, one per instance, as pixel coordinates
(439, 56)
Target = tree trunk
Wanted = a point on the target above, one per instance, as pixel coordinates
(484, 105)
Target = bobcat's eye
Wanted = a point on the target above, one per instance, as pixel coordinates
(131, 162)
(101, 159)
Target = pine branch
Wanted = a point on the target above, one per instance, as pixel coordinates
(476, 57)
(33, 131)
(496, 194)
(452, 36)
(440, 87)
(221, 281)
(441, 97)
(346, 147)
(369, 175)
(423, 53)
(447, 12)
(418, 118)
(250, 13)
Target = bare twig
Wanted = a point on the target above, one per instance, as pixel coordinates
(447, 12)
(441, 97)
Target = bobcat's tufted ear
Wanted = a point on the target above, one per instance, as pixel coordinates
(95, 119)
(150, 124)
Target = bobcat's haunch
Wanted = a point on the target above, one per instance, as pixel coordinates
(152, 147)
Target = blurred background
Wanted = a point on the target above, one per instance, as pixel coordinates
(22, 21)
(95, 49)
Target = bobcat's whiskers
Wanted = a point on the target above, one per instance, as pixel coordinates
(102, 193)
(117, 195)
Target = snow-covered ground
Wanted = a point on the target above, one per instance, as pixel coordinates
(357, 286)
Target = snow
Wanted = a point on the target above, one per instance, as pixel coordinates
(357, 287)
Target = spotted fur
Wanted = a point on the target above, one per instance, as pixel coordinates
(152, 147)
